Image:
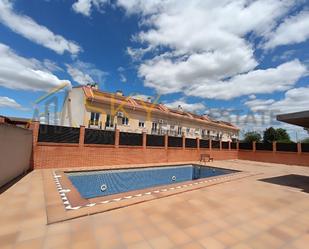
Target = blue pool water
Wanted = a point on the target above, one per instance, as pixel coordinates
(92, 184)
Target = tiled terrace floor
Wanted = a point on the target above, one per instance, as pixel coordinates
(246, 213)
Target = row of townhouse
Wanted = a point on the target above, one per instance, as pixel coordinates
(92, 108)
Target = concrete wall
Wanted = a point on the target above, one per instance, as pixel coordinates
(15, 152)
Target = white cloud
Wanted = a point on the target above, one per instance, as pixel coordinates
(122, 77)
(190, 107)
(51, 65)
(285, 56)
(31, 30)
(294, 29)
(8, 102)
(266, 110)
(268, 80)
(140, 6)
(141, 97)
(296, 99)
(18, 72)
(167, 75)
(84, 7)
(256, 121)
(259, 123)
(137, 53)
(202, 48)
(259, 104)
(252, 96)
(84, 73)
(214, 26)
(79, 76)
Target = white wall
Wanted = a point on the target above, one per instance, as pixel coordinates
(15, 152)
(73, 111)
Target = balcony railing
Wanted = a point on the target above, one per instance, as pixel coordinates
(172, 133)
(205, 136)
(110, 127)
(158, 132)
(95, 124)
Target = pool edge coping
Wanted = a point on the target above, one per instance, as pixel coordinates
(57, 201)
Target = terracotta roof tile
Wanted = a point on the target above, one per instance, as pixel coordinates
(105, 97)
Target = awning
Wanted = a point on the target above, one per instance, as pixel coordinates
(296, 118)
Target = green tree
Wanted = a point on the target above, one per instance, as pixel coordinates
(305, 141)
(252, 136)
(280, 135)
(270, 135)
(283, 136)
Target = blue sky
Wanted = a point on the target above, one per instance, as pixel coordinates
(225, 59)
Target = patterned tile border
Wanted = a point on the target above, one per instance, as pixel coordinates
(63, 192)
(68, 206)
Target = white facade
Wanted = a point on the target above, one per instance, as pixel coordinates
(77, 111)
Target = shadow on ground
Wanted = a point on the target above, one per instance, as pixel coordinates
(12, 182)
(295, 181)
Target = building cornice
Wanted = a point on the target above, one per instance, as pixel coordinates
(100, 97)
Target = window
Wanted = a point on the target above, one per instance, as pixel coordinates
(94, 118)
(109, 120)
(188, 130)
(179, 132)
(141, 124)
(172, 127)
(154, 127)
(125, 121)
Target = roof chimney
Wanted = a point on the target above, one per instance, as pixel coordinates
(92, 85)
(95, 86)
(119, 93)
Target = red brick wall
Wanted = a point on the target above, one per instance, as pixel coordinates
(292, 158)
(49, 155)
(61, 156)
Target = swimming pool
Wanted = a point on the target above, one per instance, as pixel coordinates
(91, 184)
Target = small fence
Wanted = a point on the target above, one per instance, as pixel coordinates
(292, 147)
(305, 147)
(245, 146)
(71, 135)
(174, 141)
(264, 146)
(155, 140)
(58, 134)
(234, 146)
(99, 137)
(191, 143)
(225, 145)
(204, 143)
(215, 144)
(132, 139)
